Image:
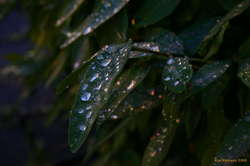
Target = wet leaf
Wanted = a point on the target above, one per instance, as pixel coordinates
(206, 75)
(237, 10)
(125, 83)
(244, 71)
(143, 98)
(152, 11)
(195, 34)
(244, 50)
(69, 11)
(236, 142)
(110, 34)
(164, 41)
(102, 12)
(95, 91)
(176, 74)
(161, 141)
(139, 54)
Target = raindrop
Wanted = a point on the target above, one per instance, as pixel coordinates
(88, 115)
(176, 83)
(98, 87)
(87, 30)
(170, 61)
(114, 117)
(85, 86)
(167, 78)
(95, 76)
(81, 111)
(82, 127)
(106, 62)
(86, 96)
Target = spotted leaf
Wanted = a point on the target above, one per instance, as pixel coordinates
(236, 143)
(95, 91)
(161, 141)
(176, 74)
(123, 86)
(102, 12)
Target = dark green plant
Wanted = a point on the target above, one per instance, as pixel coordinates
(158, 82)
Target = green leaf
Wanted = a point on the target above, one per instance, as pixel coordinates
(102, 12)
(237, 10)
(71, 8)
(176, 74)
(110, 34)
(244, 71)
(161, 141)
(162, 41)
(141, 99)
(236, 142)
(206, 75)
(244, 50)
(95, 91)
(152, 11)
(139, 54)
(195, 34)
(125, 83)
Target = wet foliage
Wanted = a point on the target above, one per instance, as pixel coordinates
(144, 82)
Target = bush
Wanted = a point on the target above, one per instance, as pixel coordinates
(149, 83)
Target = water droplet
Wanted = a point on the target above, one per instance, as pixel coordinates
(86, 96)
(106, 62)
(114, 117)
(176, 83)
(95, 76)
(170, 61)
(167, 78)
(87, 30)
(84, 86)
(98, 87)
(82, 127)
(230, 148)
(100, 57)
(80, 111)
(131, 85)
(88, 115)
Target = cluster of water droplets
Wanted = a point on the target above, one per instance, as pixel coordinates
(149, 46)
(177, 73)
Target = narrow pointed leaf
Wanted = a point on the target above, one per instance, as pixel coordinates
(237, 10)
(176, 74)
(69, 11)
(236, 142)
(244, 71)
(161, 141)
(139, 54)
(103, 11)
(123, 86)
(152, 11)
(143, 98)
(206, 75)
(193, 36)
(95, 91)
(165, 42)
